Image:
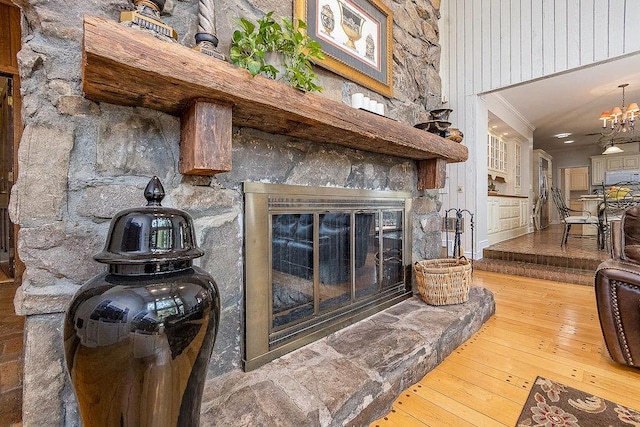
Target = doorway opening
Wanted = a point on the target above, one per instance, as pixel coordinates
(7, 247)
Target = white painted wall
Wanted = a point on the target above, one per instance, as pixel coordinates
(492, 44)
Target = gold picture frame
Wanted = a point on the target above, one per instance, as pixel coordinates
(356, 39)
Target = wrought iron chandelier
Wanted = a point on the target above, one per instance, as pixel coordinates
(622, 119)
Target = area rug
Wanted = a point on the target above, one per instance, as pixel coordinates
(551, 404)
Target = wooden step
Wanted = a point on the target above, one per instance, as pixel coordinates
(542, 259)
(578, 276)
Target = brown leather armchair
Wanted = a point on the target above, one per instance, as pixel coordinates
(617, 287)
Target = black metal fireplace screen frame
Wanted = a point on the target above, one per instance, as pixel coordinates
(385, 215)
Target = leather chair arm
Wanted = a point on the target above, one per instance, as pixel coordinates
(617, 288)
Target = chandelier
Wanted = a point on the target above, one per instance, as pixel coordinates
(622, 119)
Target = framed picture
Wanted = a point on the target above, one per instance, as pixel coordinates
(356, 39)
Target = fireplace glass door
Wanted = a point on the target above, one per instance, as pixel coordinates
(331, 260)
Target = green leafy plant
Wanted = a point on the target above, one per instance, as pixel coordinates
(252, 42)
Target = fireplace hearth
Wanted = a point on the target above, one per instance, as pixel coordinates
(318, 259)
(352, 376)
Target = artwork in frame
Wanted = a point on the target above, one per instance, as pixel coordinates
(356, 39)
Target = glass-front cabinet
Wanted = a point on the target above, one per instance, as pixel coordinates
(517, 182)
(496, 155)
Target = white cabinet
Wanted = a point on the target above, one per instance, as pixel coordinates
(524, 212)
(493, 215)
(507, 217)
(623, 162)
(597, 170)
(496, 156)
(612, 162)
(518, 165)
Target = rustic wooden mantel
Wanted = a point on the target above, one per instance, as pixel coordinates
(125, 66)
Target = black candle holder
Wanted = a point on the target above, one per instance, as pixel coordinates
(207, 44)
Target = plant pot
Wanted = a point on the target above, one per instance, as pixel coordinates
(276, 59)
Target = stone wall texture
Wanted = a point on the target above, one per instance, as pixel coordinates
(80, 162)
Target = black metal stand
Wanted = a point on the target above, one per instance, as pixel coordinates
(457, 247)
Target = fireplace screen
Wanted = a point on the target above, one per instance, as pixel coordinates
(318, 259)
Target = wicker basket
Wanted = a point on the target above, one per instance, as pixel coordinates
(443, 281)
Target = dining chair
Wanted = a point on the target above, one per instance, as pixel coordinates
(571, 217)
(616, 199)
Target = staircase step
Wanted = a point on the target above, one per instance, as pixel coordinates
(542, 259)
(579, 276)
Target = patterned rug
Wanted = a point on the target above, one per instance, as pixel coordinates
(551, 404)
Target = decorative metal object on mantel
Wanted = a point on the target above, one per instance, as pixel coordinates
(146, 14)
(206, 38)
(455, 135)
(438, 123)
(138, 337)
(623, 119)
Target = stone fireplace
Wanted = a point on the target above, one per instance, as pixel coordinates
(317, 259)
(81, 160)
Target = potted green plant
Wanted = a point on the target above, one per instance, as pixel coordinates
(252, 45)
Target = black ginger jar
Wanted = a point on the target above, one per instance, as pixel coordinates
(138, 337)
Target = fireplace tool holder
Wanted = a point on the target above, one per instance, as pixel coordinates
(458, 229)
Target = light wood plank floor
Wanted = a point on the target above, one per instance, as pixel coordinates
(543, 328)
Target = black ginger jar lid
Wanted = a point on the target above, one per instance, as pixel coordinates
(151, 234)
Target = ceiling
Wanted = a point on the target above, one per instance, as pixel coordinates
(572, 102)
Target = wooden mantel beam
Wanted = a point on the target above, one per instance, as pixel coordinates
(125, 66)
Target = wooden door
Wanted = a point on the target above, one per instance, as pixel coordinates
(7, 248)
(10, 130)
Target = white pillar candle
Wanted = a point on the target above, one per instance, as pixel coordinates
(373, 105)
(365, 103)
(357, 100)
(380, 108)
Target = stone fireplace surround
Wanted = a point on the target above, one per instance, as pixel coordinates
(99, 157)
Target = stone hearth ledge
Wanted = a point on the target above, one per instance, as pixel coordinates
(351, 377)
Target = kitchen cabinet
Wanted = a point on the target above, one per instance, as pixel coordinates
(612, 162)
(623, 162)
(597, 170)
(493, 215)
(579, 179)
(524, 212)
(496, 157)
(518, 165)
(507, 217)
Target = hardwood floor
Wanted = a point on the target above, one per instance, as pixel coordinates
(544, 328)
(540, 327)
